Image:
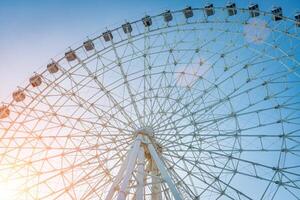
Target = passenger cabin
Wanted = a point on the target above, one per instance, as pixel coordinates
(35, 80)
(188, 12)
(52, 68)
(209, 9)
(253, 10)
(167, 16)
(4, 112)
(70, 56)
(127, 28)
(277, 13)
(231, 9)
(147, 21)
(18, 95)
(88, 45)
(297, 18)
(107, 36)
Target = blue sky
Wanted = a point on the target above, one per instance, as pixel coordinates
(33, 31)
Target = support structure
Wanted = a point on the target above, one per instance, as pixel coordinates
(136, 159)
(156, 186)
(140, 175)
(128, 159)
(163, 171)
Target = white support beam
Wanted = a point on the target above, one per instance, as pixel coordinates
(126, 171)
(129, 170)
(124, 166)
(163, 171)
(140, 175)
(156, 185)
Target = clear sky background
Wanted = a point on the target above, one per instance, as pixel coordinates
(34, 31)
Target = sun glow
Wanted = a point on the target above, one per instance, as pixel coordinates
(256, 31)
(9, 190)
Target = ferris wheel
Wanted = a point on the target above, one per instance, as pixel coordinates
(198, 103)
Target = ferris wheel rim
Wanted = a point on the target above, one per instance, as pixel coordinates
(202, 9)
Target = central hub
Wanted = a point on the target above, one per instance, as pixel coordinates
(148, 134)
(146, 131)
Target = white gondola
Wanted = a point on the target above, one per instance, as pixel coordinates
(168, 16)
(277, 13)
(52, 68)
(127, 28)
(231, 9)
(107, 36)
(4, 112)
(188, 12)
(209, 9)
(18, 95)
(35, 80)
(297, 18)
(88, 45)
(70, 56)
(253, 10)
(147, 21)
